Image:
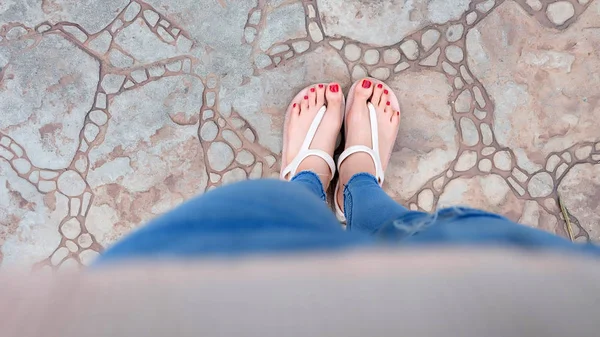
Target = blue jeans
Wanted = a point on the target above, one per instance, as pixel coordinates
(272, 216)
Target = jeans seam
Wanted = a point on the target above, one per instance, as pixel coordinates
(315, 179)
(348, 196)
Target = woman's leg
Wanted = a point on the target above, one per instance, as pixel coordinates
(367, 207)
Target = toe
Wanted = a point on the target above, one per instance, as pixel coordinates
(376, 98)
(320, 94)
(385, 98)
(295, 109)
(333, 95)
(304, 102)
(388, 112)
(363, 90)
(395, 118)
(312, 97)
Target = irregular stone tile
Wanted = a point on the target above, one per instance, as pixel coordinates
(471, 17)
(85, 240)
(314, 32)
(71, 184)
(490, 193)
(425, 200)
(438, 183)
(6, 154)
(488, 151)
(358, 72)
(29, 220)
(402, 66)
(111, 83)
(485, 6)
(485, 165)
(381, 73)
(579, 191)
(561, 169)
(352, 52)
(536, 5)
(27, 12)
(132, 11)
(237, 174)
(519, 175)
(360, 20)
(140, 42)
(480, 114)
(71, 228)
(469, 133)
(21, 165)
(486, 134)
(428, 139)
(55, 75)
(91, 15)
(71, 246)
(463, 101)
(232, 138)
(410, 49)
(567, 157)
(245, 158)
(301, 46)
(98, 116)
(119, 59)
(454, 32)
(165, 35)
(256, 172)
(523, 77)
(429, 39)
(559, 12)
(503, 161)
(448, 68)
(87, 257)
(454, 54)
(458, 83)
(391, 56)
(583, 152)
(431, 60)
(552, 162)
(540, 185)
(467, 160)
(151, 16)
(220, 156)
(371, 56)
(283, 23)
(266, 96)
(337, 44)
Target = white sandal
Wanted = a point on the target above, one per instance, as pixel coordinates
(371, 151)
(289, 169)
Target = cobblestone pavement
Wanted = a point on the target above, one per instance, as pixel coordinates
(115, 111)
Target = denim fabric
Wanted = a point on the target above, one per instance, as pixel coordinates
(268, 216)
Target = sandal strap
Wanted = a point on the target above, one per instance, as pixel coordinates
(371, 151)
(290, 171)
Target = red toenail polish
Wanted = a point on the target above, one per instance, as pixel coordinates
(388, 103)
(320, 86)
(385, 91)
(293, 106)
(334, 88)
(366, 84)
(380, 86)
(312, 89)
(305, 97)
(398, 113)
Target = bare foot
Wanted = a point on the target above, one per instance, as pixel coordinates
(304, 110)
(358, 130)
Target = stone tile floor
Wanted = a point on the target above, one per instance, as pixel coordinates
(115, 111)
